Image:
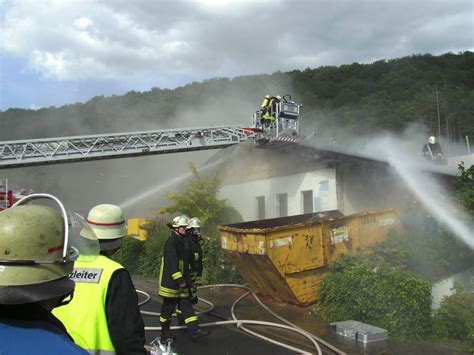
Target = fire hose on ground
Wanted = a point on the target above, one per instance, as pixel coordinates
(240, 322)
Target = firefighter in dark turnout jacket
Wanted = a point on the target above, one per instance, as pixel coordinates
(175, 283)
(195, 240)
(193, 255)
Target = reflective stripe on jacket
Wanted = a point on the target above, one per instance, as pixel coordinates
(172, 270)
(85, 316)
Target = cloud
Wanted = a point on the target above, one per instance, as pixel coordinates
(121, 39)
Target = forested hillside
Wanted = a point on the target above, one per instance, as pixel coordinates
(437, 91)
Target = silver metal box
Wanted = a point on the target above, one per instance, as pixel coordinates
(365, 333)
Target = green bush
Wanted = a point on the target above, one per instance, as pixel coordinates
(429, 255)
(129, 254)
(379, 295)
(150, 259)
(454, 319)
(217, 267)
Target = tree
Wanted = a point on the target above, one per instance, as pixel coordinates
(454, 319)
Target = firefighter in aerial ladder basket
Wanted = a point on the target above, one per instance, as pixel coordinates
(269, 108)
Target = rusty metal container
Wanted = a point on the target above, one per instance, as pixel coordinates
(286, 258)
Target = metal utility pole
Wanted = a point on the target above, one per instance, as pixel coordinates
(437, 110)
(447, 129)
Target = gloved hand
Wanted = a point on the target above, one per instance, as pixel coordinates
(194, 300)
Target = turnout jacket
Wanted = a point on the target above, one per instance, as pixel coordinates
(193, 256)
(174, 269)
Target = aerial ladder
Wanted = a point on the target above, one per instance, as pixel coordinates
(43, 151)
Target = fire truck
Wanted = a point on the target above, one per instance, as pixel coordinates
(9, 197)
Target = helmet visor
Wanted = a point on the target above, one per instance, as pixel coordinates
(82, 238)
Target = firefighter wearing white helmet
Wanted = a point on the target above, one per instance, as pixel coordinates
(35, 260)
(432, 150)
(193, 251)
(104, 315)
(175, 283)
(194, 231)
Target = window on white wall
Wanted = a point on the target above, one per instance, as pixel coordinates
(307, 197)
(260, 207)
(282, 203)
(317, 204)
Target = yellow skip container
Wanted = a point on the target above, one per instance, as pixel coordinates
(285, 258)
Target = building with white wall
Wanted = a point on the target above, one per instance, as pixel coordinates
(292, 180)
(282, 196)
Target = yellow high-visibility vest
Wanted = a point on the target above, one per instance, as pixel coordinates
(85, 317)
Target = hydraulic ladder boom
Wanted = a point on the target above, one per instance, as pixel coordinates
(44, 151)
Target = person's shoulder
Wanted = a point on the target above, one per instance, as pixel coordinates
(108, 262)
(42, 335)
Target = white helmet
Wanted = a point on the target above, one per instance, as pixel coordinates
(278, 97)
(194, 223)
(432, 140)
(108, 223)
(180, 221)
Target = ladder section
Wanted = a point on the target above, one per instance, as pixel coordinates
(44, 151)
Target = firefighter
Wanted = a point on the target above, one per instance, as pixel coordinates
(432, 150)
(269, 108)
(195, 241)
(34, 268)
(193, 254)
(104, 314)
(175, 284)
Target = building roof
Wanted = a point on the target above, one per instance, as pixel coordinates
(248, 162)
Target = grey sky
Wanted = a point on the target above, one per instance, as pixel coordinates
(169, 43)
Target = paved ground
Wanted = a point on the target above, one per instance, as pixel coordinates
(229, 340)
(223, 340)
